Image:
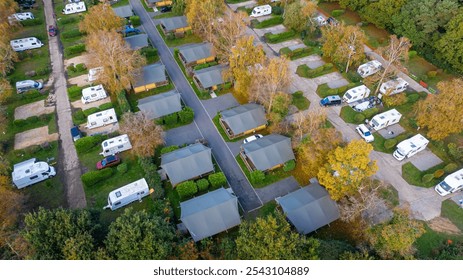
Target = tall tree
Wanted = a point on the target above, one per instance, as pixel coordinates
(298, 14)
(307, 123)
(449, 46)
(179, 6)
(200, 15)
(380, 12)
(7, 8)
(100, 17)
(355, 5)
(227, 31)
(8, 55)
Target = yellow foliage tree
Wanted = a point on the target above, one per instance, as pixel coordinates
(100, 17)
(298, 14)
(226, 32)
(8, 55)
(200, 15)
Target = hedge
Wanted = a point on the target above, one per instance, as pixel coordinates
(203, 184)
(84, 144)
(171, 119)
(71, 34)
(93, 177)
(205, 65)
(135, 20)
(186, 189)
(32, 22)
(277, 10)
(336, 13)
(123, 102)
(451, 167)
(152, 176)
(390, 143)
(359, 118)
(289, 165)
(148, 52)
(269, 22)
(81, 67)
(90, 111)
(412, 98)
(280, 37)
(217, 180)
(186, 116)
(76, 49)
(122, 168)
(79, 117)
(74, 92)
(169, 149)
(369, 113)
(304, 70)
(257, 177)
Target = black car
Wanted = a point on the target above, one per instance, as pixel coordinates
(166, 9)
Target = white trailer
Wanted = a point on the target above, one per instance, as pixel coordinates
(116, 145)
(385, 119)
(73, 8)
(21, 16)
(451, 184)
(101, 118)
(93, 74)
(31, 171)
(92, 94)
(410, 147)
(127, 194)
(356, 93)
(369, 68)
(25, 44)
(23, 86)
(261, 11)
(393, 86)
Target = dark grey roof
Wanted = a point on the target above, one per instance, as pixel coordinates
(209, 214)
(195, 52)
(137, 41)
(210, 76)
(268, 151)
(187, 163)
(162, 104)
(309, 208)
(172, 23)
(153, 73)
(123, 11)
(244, 117)
(154, 1)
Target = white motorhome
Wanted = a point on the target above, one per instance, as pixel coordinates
(261, 11)
(94, 73)
(25, 44)
(369, 68)
(21, 16)
(127, 194)
(31, 171)
(451, 184)
(73, 8)
(393, 86)
(23, 86)
(116, 145)
(410, 147)
(356, 93)
(92, 94)
(101, 118)
(385, 119)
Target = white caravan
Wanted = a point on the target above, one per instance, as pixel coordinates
(21, 16)
(31, 171)
(74, 8)
(369, 68)
(410, 147)
(23, 86)
(393, 86)
(127, 194)
(25, 44)
(385, 119)
(94, 73)
(92, 94)
(116, 145)
(101, 118)
(261, 11)
(451, 183)
(356, 93)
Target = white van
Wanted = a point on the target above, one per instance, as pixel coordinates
(73, 8)
(31, 171)
(93, 74)
(25, 44)
(410, 147)
(261, 11)
(92, 94)
(356, 93)
(451, 184)
(23, 86)
(127, 194)
(393, 86)
(101, 118)
(116, 145)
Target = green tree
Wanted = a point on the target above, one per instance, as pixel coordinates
(381, 12)
(179, 6)
(449, 47)
(355, 5)
(298, 13)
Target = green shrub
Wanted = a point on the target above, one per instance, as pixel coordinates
(203, 184)
(135, 20)
(79, 116)
(451, 167)
(71, 34)
(186, 189)
(43, 70)
(227, 85)
(76, 49)
(187, 115)
(277, 10)
(122, 168)
(217, 180)
(84, 144)
(68, 19)
(332, 91)
(71, 68)
(149, 52)
(280, 37)
(427, 178)
(33, 119)
(353, 76)
(412, 54)
(81, 67)
(369, 113)
(169, 149)
(90, 111)
(269, 22)
(289, 165)
(32, 22)
(20, 122)
(74, 92)
(390, 143)
(171, 119)
(439, 173)
(336, 13)
(106, 106)
(257, 177)
(359, 118)
(123, 102)
(423, 94)
(412, 98)
(93, 177)
(152, 176)
(456, 152)
(431, 74)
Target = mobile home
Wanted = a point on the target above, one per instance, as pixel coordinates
(356, 93)
(73, 8)
(25, 44)
(393, 86)
(23, 86)
(410, 147)
(385, 119)
(101, 118)
(92, 94)
(451, 184)
(127, 194)
(369, 68)
(94, 73)
(31, 171)
(261, 11)
(116, 145)
(21, 16)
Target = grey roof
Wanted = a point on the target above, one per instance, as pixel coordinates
(154, 1)
(172, 23)
(162, 104)
(153, 73)
(187, 163)
(195, 52)
(123, 11)
(309, 208)
(210, 76)
(137, 41)
(244, 117)
(209, 214)
(268, 151)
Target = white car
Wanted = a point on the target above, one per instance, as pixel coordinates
(365, 133)
(252, 138)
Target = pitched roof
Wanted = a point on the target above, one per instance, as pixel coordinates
(172, 23)
(162, 104)
(187, 163)
(210, 76)
(153, 73)
(269, 151)
(137, 41)
(209, 214)
(123, 11)
(195, 52)
(245, 117)
(309, 208)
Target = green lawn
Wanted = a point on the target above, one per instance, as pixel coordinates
(300, 101)
(188, 39)
(134, 97)
(270, 176)
(378, 144)
(453, 212)
(432, 240)
(167, 15)
(414, 176)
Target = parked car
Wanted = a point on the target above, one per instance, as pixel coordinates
(165, 9)
(51, 31)
(365, 133)
(108, 161)
(75, 133)
(332, 100)
(252, 138)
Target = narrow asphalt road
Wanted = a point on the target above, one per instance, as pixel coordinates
(235, 176)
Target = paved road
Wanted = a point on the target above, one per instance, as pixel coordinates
(238, 181)
(69, 166)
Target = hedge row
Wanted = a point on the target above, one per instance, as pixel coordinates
(280, 37)
(76, 49)
(93, 177)
(71, 34)
(306, 72)
(297, 53)
(33, 119)
(81, 67)
(66, 20)
(185, 116)
(84, 144)
(169, 149)
(135, 20)
(269, 22)
(205, 65)
(189, 188)
(32, 22)
(123, 102)
(152, 176)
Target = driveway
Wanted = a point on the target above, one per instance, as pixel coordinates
(32, 109)
(278, 189)
(277, 47)
(79, 104)
(32, 137)
(425, 160)
(220, 103)
(186, 134)
(274, 30)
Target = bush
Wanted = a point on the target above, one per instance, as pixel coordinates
(412, 98)
(152, 176)
(32, 22)
(76, 49)
(336, 13)
(71, 34)
(280, 37)
(171, 119)
(257, 177)
(439, 173)
(169, 149)
(327, 66)
(203, 184)
(74, 92)
(20, 122)
(186, 116)
(106, 106)
(186, 189)
(451, 167)
(369, 113)
(354, 77)
(149, 52)
(81, 67)
(123, 102)
(90, 111)
(79, 116)
(289, 165)
(217, 180)
(135, 20)
(390, 143)
(93, 177)
(412, 54)
(84, 144)
(427, 178)
(122, 168)
(277, 10)
(455, 151)
(43, 70)
(359, 118)
(71, 68)
(431, 74)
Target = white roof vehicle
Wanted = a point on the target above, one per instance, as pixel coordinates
(369, 68)
(252, 138)
(25, 44)
(261, 11)
(127, 194)
(365, 133)
(451, 184)
(385, 119)
(410, 147)
(116, 145)
(394, 86)
(21, 16)
(356, 93)
(31, 171)
(73, 8)
(101, 118)
(92, 94)
(23, 86)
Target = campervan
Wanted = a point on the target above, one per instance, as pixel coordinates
(127, 194)
(369, 68)
(393, 86)
(92, 94)
(356, 93)
(116, 145)
(101, 118)
(261, 11)
(73, 8)
(31, 171)
(21, 16)
(25, 44)
(385, 119)
(23, 86)
(94, 73)
(332, 100)
(451, 184)
(410, 147)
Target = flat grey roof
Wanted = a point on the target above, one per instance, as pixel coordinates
(269, 151)
(160, 105)
(137, 41)
(195, 52)
(244, 117)
(123, 11)
(210, 76)
(153, 73)
(173, 23)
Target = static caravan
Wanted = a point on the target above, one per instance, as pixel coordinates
(393, 86)
(127, 194)
(261, 11)
(21, 16)
(23, 86)
(25, 44)
(92, 94)
(369, 68)
(451, 184)
(31, 171)
(101, 118)
(385, 119)
(356, 93)
(73, 8)
(116, 145)
(94, 73)
(410, 147)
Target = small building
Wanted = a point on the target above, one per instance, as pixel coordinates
(158, 3)
(123, 11)
(209, 214)
(267, 153)
(137, 42)
(194, 54)
(152, 76)
(160, 105)
(174, 25)
(209, 78)
(309, 208)
(242, 120)
(187, 163)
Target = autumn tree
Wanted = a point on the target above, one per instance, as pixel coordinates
(7, 8)
(144, 134)
(8, 55)
(298, 14)
(179, 6)
(200, 15)
(227, 31)
(100, 17)
(6, 90)
(307, 123)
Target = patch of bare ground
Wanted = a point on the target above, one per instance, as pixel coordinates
(444, 225)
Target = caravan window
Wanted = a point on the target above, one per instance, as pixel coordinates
(120, 146)
(117, 203)
(99, 115)
(118, 194)
(34, 177)
(36, 84)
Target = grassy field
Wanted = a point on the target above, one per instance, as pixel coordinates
(431, 240)
(453, 212)
(300, 101)
(414, 176)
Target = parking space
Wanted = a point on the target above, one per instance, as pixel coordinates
(425, 160)
(274, 30)
(338, 83)
(391, 131)
(219, 104)
(333, 76)
(277, 47)
(32, 109)
(186, 134)
(78, 104)
(100, 130)
(32, 137)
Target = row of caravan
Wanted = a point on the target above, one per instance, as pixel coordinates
(390, 87)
